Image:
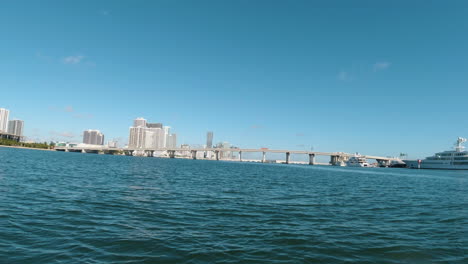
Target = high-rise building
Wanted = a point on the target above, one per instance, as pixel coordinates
(15, 127)
(154, 125)
(137, 137)
(209, 139)
(4, 114)
(139, 122)
(167, 130)
(93, 137)
(171, 141)
(150, 135)
(154, 138)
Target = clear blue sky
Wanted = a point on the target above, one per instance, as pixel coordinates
(368, 76)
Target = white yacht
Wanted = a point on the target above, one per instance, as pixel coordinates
(358, 161)
(448, 160)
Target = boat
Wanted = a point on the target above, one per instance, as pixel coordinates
(397, 163)
(358, 161)
(447, 160)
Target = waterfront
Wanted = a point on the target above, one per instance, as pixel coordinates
(60, 207)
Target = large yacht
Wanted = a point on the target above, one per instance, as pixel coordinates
(358, 161)
(448, 160)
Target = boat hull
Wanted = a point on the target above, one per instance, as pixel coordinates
(413, 164)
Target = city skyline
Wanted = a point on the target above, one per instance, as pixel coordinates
(342, 78)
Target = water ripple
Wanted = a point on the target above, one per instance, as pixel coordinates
(79, 208)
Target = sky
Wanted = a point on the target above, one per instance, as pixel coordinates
(375, 77)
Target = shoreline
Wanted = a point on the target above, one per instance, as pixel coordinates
(19, 147)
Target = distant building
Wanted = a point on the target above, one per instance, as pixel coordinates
(167, 130)
(209, 139)
(137, 137)
(154, 125)
(184, 152)
(171, 141)
(224, 154)
(4, 114)
(139, 122)
(93, 137)
(112, 144)
(15, 127)
(150, 135)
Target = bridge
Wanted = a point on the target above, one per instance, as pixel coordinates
(335, 157)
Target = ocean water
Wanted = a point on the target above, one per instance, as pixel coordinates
(60, 207)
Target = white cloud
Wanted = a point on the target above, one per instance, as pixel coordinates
(383, 65)
(73, 59)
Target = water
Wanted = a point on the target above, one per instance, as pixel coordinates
(83, 208)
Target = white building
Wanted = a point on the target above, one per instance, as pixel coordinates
(4, 114)
(137, 137)
(167, 130)
(112, 144)
(150, 135)
(171, 141)
(139, 122)
(15, 127)
(93, 137)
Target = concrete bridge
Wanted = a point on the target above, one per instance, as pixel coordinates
(335, 157)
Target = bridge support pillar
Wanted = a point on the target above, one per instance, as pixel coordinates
(150, 153)
(264, 157)
(194, 154)
(217, 154)
(383, 163)
(311, 159)
(171, 153)
(335, 160)
(240, 156)
(288, 154)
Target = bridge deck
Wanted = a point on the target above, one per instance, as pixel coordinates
(102, 148)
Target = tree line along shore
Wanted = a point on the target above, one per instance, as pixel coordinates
(13, 143)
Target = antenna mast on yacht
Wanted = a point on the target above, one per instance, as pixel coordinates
(459, 144)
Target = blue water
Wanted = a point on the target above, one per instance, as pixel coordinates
(60, 207)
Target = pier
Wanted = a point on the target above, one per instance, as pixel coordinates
(335, 157)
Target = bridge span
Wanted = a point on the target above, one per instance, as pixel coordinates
(336, 158)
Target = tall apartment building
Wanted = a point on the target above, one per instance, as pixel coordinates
(150, 135)
(137, 137)
(4, 114)
(93, 137)
(209, 139)
(15, 127)
(171, 141)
